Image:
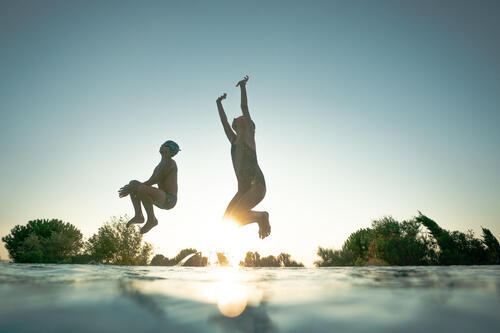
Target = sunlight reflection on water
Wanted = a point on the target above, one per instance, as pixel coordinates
(83, 298)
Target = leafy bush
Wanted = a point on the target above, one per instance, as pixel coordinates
(420, 241)
(117, 244)
(456, 248)
(43, 241)
(330, 257)
(357, 247)
(492, 246)
(400, 243)
(161, 260)
(285, 260)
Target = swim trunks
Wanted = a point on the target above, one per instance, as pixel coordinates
(170, 201)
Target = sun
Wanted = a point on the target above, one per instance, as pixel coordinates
(227, 237)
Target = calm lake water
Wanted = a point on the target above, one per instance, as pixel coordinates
(87, 298)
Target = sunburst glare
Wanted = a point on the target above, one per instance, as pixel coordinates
(227, 237)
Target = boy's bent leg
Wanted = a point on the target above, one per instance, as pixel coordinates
(138, 217)
(149, 195)
(133, 185)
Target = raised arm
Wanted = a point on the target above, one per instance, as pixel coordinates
(223, 118)
(244, 101)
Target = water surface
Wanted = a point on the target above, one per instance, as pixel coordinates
(88, 298)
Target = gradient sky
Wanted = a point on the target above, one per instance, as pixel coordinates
(363, 109)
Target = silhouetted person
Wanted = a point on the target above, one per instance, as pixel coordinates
(164, 196)
(251, 183)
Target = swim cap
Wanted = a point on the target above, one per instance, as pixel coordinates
(174, 147)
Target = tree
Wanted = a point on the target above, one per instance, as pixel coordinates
(222, 259)
(195, 261)
(269, 261)
(492, 246)
(253, 259)
(285, 260)
(44, 241)
(456, 248)
(400, 243)
(420, 241)
(330, 257)
(161, 260)
(117, 244)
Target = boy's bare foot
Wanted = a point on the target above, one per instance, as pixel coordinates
(264, 226)
(135, 220)
(243, 82)
(150, 224)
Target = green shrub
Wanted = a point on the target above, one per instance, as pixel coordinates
(43, 241)
(420, 241)
(456, 248)
(492, 246)
(117, 244)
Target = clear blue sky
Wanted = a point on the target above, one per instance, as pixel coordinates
(363, 109)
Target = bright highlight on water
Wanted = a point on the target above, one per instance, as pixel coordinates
(55, 298)
(363, 141)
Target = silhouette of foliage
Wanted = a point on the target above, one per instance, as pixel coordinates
(456, 248)
(161, 260)
(285, 260)
(269, 261)
(357, 246)
(400, 243)
(83, 258)
(253, 259)
(492, 246)
(195, 261)
(43, 241)
(330, 257)
(222, 259)
(420, 241)
(117, 244)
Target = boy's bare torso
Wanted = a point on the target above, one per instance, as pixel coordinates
(168, 176)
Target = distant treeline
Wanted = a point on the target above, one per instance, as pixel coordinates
(55, 241)
(195, 261)
(252, 259)
(419, 241)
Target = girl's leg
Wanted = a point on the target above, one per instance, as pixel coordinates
(242, 213)
(232, 204)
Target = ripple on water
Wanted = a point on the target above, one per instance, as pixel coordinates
(346, 299)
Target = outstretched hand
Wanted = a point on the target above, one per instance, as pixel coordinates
(222, 97)
(243, 82)
(124, 191)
